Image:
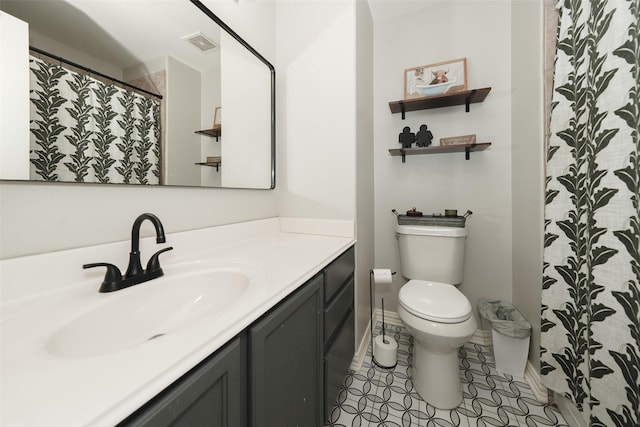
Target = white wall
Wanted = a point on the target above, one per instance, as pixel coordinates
(246, 92)
(182, 145)
(527, 159)
(316, 116)
(14, 97)
(42, 217)
(254, 21)
(365, 226)
(480, 31)
(325, 150)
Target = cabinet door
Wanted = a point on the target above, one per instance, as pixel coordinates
(285, 362)
(213, 394)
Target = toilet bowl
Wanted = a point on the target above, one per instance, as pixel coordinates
(439, 318)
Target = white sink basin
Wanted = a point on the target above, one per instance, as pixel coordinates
(187, 293)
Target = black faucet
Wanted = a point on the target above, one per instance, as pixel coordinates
(113, 279)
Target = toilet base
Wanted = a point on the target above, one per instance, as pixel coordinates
(436, 377)
(436, 368)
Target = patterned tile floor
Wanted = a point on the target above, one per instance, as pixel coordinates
(374, 396)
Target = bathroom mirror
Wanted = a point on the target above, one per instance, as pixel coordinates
(125, 92)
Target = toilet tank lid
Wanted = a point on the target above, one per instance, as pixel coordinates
(431, 230)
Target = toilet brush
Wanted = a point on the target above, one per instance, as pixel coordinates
(384, 340)
(371, 308)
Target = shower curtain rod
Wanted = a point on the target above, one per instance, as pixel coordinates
(93, 72)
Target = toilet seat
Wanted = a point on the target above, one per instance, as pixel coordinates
(435, 301)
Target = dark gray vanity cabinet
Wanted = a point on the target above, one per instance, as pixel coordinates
(212, 394)
(339, 325)
(285, 361)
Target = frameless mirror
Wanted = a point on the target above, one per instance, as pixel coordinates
(150, 92)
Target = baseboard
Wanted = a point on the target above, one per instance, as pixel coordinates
(532, 377)
(361, 352)
(482, 337)
(390, 317)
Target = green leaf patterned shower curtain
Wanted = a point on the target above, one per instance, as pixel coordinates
(590, 330)
(84, 130)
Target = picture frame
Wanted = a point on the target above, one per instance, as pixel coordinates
(217, 118)
(435, 79)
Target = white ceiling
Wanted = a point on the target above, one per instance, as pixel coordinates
(123, 33)
(384, 10)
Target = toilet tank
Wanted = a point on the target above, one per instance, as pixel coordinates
(432, 252)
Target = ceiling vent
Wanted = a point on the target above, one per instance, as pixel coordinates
(201, 41)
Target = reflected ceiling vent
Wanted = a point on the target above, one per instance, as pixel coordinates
(201, 41)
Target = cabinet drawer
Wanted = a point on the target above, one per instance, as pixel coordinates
(337, 361)
(334, 313)
(337, 273)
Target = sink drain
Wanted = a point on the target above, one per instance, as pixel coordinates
(155, 336)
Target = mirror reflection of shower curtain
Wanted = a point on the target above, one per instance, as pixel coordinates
(590, 330)
(85, 130)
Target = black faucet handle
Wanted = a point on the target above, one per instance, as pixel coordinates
(112, 278)
(153, 265)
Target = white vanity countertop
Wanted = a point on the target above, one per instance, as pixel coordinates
(42, 293)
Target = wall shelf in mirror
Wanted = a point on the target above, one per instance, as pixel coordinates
(213, 132)
(466, 98)
(460, 148)
(211, 164)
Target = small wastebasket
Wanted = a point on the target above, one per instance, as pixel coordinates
(510, 333)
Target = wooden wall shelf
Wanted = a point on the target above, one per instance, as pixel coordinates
(211, 164)
(465, 98)
(213, 132)
(461, 148)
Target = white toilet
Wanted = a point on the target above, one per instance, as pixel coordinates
(433, 310)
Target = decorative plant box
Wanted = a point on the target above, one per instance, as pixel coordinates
(458, 140)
